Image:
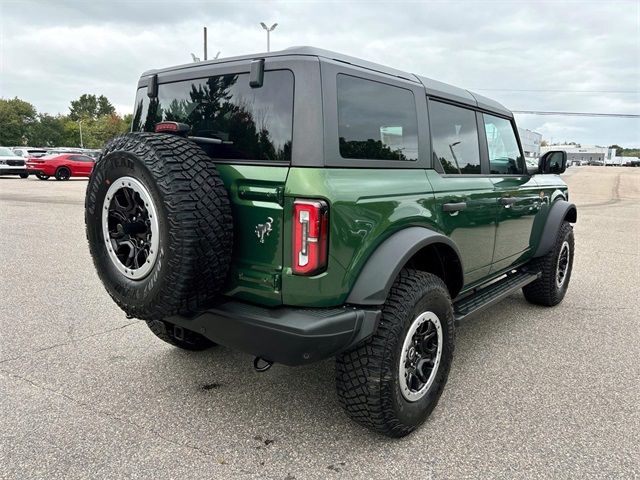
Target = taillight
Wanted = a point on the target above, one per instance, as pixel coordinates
(310, 236)
(172, 127)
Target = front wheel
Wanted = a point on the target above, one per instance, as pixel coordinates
(42, 176)
(555, 271)
(24, 175)
(392, 382)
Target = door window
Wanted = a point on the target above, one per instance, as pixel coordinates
(454, 138)
(504, 153)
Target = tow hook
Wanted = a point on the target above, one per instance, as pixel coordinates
(261, 365)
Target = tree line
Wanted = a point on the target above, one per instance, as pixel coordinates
(22, 124)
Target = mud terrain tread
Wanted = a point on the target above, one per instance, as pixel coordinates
(198, 215)
(360, 372)
(544, 291)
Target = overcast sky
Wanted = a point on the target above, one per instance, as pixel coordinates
(579, 56)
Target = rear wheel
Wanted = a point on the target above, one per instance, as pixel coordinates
(159, 225)
(24, 175)
(179, 337)
(63, 173)
(555, 268)
(393, 381)
(42, 176)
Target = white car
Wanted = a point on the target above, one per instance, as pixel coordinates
(29, 152)
(12, 164)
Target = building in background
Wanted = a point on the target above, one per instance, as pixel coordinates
(530, 142)
(585, 154)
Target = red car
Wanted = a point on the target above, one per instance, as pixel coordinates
(61, 165)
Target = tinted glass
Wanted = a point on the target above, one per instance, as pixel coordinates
(252, 123)
(376, 121)
(81, 158)
(454, 138)
(7, 152)
(504, 153)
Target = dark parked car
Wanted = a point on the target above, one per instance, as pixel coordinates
(357, 215)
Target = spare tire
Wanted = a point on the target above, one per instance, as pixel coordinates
(159, 225)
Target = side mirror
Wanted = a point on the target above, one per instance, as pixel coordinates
(554, 161)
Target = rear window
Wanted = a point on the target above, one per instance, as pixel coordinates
(252, 123)
(376, 121)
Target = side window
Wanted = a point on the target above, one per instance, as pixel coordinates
(376, 121)
(454, 138)
(504, 154)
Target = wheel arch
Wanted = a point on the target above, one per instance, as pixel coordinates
(560, 211)
(416, 247)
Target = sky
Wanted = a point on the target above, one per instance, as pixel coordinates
(575, 56)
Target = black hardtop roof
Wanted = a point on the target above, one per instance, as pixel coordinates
(432, 87)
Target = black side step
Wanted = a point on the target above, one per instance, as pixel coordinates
(491, 294)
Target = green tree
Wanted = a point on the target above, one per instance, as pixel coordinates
(105, 107)
(16, 118)
(85, 107)
(90, 106)
(47, 131)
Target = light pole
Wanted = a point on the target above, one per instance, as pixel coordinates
(80, 124)
(269, 30)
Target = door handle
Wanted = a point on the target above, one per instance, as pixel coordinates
(454, 207)
(507, 201)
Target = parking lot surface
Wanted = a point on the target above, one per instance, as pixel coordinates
(533, 393)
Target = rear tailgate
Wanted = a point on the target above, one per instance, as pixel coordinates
(256, 194)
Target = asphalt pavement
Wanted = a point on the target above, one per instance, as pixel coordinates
(533, 393)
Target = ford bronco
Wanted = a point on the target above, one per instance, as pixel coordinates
(302, 204)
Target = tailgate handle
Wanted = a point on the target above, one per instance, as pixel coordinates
(250, 192)
(454, 207)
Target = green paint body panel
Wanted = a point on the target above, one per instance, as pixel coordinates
(256, 196)
(367, 206)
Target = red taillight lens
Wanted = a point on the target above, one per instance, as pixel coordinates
(310, 236)
(172, 127)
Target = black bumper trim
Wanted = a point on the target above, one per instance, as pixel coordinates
(287, 335)
(13, 171)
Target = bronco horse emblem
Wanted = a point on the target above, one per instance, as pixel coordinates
(264, 229)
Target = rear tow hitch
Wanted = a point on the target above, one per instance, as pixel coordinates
(261, 365)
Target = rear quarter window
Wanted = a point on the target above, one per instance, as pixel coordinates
(251, 123)
(376, 121)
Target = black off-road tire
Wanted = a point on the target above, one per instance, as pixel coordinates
(63, 174)
(194, 224)
(367, 376)
(42, 176)
(190, 340)
(546, 291)
(24, 175)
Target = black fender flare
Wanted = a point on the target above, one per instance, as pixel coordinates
(383, 266)
(560, 210)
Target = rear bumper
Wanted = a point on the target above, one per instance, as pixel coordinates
(291, 336)
(9, 170)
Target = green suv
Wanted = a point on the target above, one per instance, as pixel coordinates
(302, 204)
